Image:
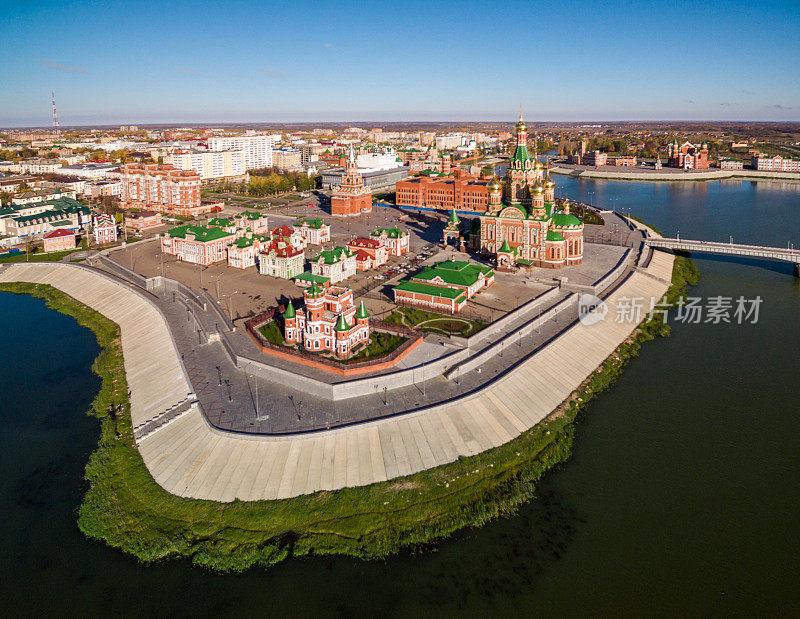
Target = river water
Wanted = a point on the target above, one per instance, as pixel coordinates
(681, 495)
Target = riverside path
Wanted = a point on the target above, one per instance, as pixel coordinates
(190, 458)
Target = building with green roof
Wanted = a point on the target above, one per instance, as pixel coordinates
(336, 264)
(197, 244)
(445, 286)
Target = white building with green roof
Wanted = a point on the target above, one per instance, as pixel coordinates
(397, 241)
(445, 286)
(313, 231)
(336, 264)
(197, 244)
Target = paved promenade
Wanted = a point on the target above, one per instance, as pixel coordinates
(190, 458)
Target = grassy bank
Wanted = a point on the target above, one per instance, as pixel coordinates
(125, 508)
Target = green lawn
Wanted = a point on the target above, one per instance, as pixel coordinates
(437, 323)
(53, 256)
(380, 345)
(272, 332)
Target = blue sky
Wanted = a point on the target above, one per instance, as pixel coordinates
(234, 61)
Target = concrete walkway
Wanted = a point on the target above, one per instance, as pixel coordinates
(189, 458)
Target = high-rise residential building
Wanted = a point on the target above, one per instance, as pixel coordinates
(160, 187)
(209, 164)
(256, 149)
(286, 158)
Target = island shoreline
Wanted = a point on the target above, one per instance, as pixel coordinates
(127, 509)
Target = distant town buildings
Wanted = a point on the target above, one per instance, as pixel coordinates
(41, 195)
(351, 197)
(256, 149)
(286, 159)
(209, 164)
(775, 164)
(328, 322)
(688, 156)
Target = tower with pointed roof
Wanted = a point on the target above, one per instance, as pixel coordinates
(523, 170)
(351, 197)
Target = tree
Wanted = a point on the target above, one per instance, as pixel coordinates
(109, 205)
(5, 197)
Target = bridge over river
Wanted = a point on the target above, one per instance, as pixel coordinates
(783, 254)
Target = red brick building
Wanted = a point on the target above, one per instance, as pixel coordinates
(142, 220)
(459, 191)
(162, 188)
(351, 197)
(60, 239)
(688, 156)
(370, 253)
(595, 158)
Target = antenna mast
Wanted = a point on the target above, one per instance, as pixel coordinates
(56, 128)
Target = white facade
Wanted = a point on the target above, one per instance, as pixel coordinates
(209, 164)
(373, 162)
(446, 142)
(256, 149)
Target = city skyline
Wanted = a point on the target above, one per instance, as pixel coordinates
(250, 63)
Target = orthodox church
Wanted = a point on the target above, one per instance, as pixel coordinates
(523, 226)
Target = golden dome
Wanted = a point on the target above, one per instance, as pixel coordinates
(494, 185)
(538, 187)
(538, 165)
(549, 181)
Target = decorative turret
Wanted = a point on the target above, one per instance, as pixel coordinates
(341, 325)
(289, 314)
(495, 188)
(453, 221)
(361, 313)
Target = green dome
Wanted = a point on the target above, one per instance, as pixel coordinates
(563, 220)
(505, 247)
(552, 235)
(289, 313)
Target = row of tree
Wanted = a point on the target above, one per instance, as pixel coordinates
(268, 182)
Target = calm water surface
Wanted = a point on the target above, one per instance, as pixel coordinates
(681, 495)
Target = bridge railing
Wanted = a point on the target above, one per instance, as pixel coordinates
(730, 247)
